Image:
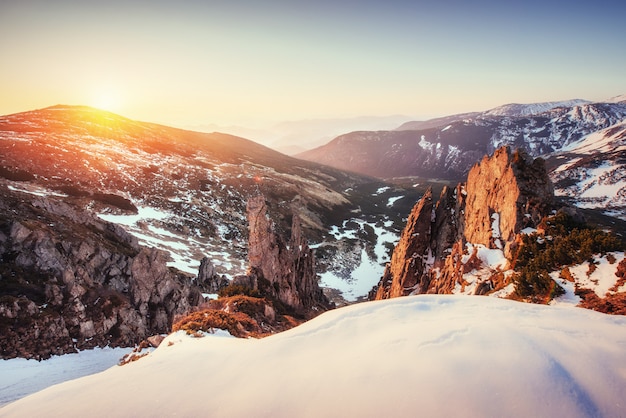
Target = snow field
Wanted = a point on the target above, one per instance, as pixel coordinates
(428, 355)
(20, 377)
(368, 272)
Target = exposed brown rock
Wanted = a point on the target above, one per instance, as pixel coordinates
(281, 271)
(410, 256)
(611, 304)
(514, 186)
(155, 340)
(508, 190)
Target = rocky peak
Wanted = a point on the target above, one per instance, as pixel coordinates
(504, 193)
(285, 271)
(412, 253)
(209, 279)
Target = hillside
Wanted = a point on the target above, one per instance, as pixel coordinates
(185, 192)
(109, 227)
(591, 172)
(428, 355)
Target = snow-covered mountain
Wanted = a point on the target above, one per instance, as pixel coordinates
(592, 171)
(436, 356)
(449, 150)
(511, 109)
(184, 192)
(531, 109)
(446, 148)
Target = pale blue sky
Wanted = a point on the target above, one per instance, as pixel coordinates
(248, 62)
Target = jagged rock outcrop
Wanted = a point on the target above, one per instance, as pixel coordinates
(281, 271)
(504, 193)
(209, 279)
(69, 280)
(412, 253)
(508, 191)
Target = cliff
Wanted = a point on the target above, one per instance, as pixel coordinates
(504, 193)
(280, 270)
(69, 281)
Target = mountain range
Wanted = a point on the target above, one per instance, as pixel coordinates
(295, 136)
(112, 230)
(185, 192)
(446, 148)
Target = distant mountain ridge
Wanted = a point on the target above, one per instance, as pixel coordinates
(449, 151)
(446, 148)
(295, 136)
(520, 110)
(511, 109)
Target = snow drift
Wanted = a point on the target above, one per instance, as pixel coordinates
(419, 355)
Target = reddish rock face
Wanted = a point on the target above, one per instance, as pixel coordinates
(514, 187)
(283, 271)
(409, 259)
(503, 194)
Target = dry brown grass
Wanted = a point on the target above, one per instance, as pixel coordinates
(237, 324)
(614, 304)
(241, 315)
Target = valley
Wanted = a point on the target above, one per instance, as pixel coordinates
(113, 218)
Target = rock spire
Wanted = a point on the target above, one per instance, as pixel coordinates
(285, 271)
(504, 193)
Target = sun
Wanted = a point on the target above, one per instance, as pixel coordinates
(106, 98)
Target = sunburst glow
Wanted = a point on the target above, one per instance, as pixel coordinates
(106, 98)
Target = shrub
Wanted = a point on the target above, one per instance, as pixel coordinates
(251, 306)
(237, 289)
(237, 324)
(566, 242)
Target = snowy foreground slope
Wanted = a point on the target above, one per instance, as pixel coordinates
(20, 377)
(418, 355)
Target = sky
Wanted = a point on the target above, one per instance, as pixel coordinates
(254, 62)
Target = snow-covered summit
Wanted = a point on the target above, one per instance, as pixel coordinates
(518, 110)
(419, 355)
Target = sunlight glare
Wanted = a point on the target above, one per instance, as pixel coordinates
(106, 98)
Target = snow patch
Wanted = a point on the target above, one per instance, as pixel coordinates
(493, 258)
(495, 229)
(393, 200)
(144, 213)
